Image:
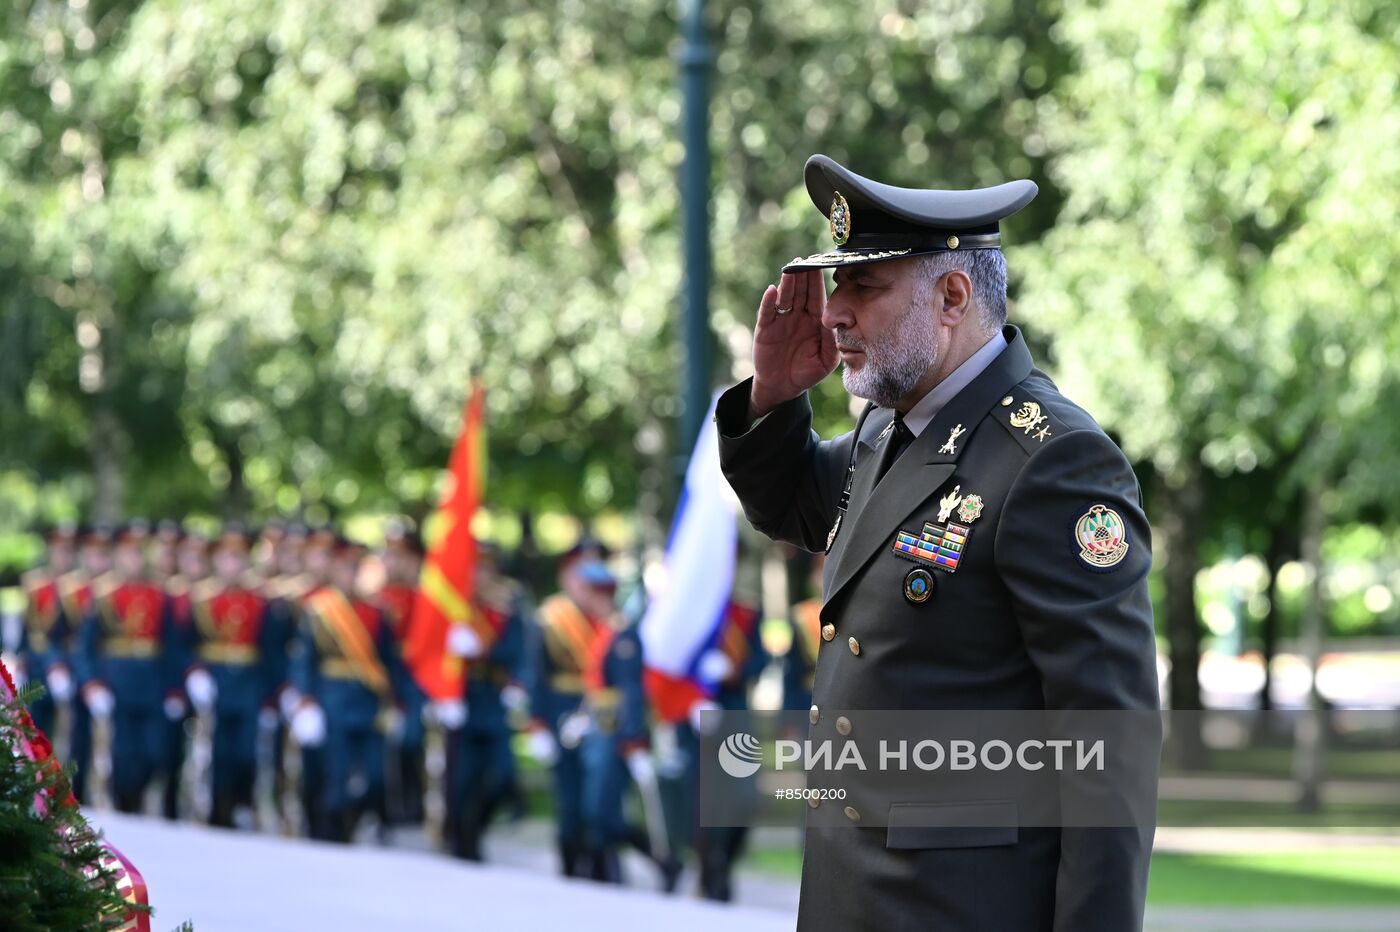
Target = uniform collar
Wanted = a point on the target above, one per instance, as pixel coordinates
(927, 407)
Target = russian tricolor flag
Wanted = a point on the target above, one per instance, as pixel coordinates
(690, 601)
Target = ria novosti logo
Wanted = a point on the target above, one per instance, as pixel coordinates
(740, 755)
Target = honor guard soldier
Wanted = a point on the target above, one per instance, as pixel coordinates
(403, 562)
(94, 562)
(284, 587)
(46, 634)
(229, 679)
(163, 558)
(987, 550)
(491, 641)
(732, 664)
(126, 657)
(343, 670)
(614, 733)
(560, 654)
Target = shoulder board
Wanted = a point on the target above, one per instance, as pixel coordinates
(1027, 419)
(104, 585)
(36, 578)
(177, 585)
(205, 589)
(291, 588)
(253, 581)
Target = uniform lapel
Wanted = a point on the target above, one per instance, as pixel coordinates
(921, 471)
(874, 445)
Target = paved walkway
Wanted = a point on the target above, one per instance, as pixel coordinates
(232, 882)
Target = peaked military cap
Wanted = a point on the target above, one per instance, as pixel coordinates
(873, 222)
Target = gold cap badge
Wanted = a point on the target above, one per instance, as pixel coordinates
(840, 220)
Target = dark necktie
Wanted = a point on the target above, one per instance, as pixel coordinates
(900, 438)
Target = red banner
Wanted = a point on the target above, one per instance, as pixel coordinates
(445, 588)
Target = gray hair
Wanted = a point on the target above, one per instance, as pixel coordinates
(987, 270)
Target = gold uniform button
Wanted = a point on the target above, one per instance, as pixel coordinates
(813, 802)
(855, 646)
(828, 632)
(852, 813)
(814, 715)
(1006, 402)
(843, 725)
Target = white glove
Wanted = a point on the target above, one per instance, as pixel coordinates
(640, 766)
(60, 684)
(393, 723)
(671, 759)
(574, 728)
(715, 666)
(702, 723)
(463, 641)
(309, 725)
(289, 700)
(449, 713)
(174, 708)
(542, 747)
(99, 699)
(202, 689)
(514, 698)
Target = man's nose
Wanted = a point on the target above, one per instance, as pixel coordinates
(837, 312)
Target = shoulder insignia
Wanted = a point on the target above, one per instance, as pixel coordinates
(1102, 537)
(1026, 419)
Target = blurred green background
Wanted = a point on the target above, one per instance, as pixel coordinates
(251, 253)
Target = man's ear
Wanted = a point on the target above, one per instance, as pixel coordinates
(956, 289)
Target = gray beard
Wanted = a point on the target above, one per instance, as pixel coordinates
(894, 365)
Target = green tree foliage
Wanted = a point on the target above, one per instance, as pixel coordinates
(1221, 286)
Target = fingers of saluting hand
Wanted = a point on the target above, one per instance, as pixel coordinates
(767, 307)
(787, 285)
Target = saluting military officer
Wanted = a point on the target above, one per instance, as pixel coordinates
(987, 549)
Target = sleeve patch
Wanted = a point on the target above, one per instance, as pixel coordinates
(1101, 537)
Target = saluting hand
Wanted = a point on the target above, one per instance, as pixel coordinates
(792, 351)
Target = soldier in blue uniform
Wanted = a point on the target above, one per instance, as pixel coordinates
(491, 642)
(124, 665)
(230, 678)
(163, 559)
(46, 633)
(616, 736)
(733, 663)
(403, 562)
(343, 667)
(286, 583)
(560, 653)
(94, 562)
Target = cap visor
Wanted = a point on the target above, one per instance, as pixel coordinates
(832, 260)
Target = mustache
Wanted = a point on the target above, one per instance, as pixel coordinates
(846, 339)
